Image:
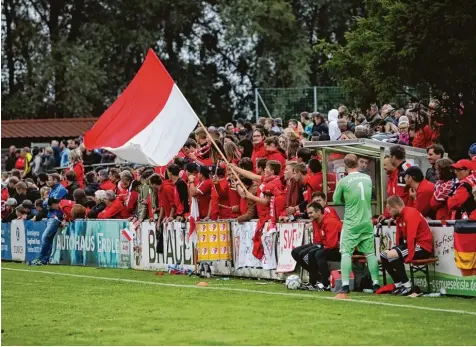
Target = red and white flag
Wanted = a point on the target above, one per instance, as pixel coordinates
(129, 235)
(194, 217)
(149, 122)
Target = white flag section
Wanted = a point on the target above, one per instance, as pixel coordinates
(290, 236)
(149, 122)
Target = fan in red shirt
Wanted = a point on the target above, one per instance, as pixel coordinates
(259, 149)
(131, 200)
(314, 257)
(166, 193)
(104, 182)
(274, 152)
(420, 191)
(200, 187)
(445, 186)
(77, 166)
(114, 207)
(221, 207)
(461, 203)
(123, 186)
(314, 180)
(414, 241)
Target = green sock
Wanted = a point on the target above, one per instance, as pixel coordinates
(372, 263)
(346, 268)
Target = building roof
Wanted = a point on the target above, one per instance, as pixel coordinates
(47, 128)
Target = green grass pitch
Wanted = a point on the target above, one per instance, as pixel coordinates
(59, 305)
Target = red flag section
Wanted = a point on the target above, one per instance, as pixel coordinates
(149, 121)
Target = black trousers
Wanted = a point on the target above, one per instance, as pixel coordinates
(396, 267)
(313, 258)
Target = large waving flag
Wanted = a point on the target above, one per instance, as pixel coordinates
(149, 122)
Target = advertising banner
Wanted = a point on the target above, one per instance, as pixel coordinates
(17, 238)
(33, 233)
(446, 275)
(291, 235)
(99, 243)
(6, 242)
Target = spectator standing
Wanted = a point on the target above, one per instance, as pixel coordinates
(433, 153)
(64, 154)
(55, 145)
(91, 158)
(461, 204)
(26, 155)
(307, 123)
(246, 148)
(104, 182)
(444, 188)
(71, 184)
(181, 196)
(131, 202)
(420, 191)
(36, 165)
(274, 152)
(334, 131)
(49, 160)
(259, 149)
(200, 187)
(320, 125)
(100, 198)
(76, 165)
(10, 159)
(91, 184)
(24, 193)
(8, 213)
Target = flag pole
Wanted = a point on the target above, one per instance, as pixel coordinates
(221, 153)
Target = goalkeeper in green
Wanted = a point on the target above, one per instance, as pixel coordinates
(355, 192)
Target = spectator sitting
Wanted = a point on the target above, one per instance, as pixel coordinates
(321, 199)
(100, 198)
(420, 191)
(91, 184)
(104, 182)
(342, 125)
(24, 193)
(9, 214)
(347, 135)
(72, 184)
(48, 160)
(114, 206)
(403, 129)
(461, 203)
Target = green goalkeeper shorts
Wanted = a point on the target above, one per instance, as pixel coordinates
(363, 241)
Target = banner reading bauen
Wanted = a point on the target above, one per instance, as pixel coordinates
(92, 243)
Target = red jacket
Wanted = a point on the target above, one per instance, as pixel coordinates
(66, 206)
(413, 228)
(396, 184)
(112, 211)
(425, 137)
(259, 151)
(424, 193)
(314, 184)
(439, 199)
(166, 195)
(327, 233)
(108, 185)
(279, 157)
(331, 211)
(78, 169)
(121, 192)
(221, 208)
(131, 205)
(205, 189)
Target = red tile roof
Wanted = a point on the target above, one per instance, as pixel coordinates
(52, 128)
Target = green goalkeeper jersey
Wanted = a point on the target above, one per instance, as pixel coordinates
(355, 191)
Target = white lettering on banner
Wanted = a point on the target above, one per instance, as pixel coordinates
(290, 236)
(107, 245)
(18, 244)
(443, 238)
(75, 243)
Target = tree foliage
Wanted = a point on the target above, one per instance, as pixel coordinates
(67, 58)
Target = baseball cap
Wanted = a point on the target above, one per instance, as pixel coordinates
(463, 164)
(414, 172)
(472, 149)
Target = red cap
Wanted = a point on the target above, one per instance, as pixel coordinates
(464, 164)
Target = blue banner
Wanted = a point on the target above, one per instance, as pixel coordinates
(92, 243)
(33, 232)
(6, 242)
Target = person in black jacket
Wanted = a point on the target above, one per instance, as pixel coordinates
(24, 193)
(173, 172)
(100, 197)
(91, 184)
(320, 125)
(72, 184)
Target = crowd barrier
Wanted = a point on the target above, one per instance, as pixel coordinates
(226, 245)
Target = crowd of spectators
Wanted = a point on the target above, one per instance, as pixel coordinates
(269, 175)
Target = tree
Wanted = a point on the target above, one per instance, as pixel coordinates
(414, 43)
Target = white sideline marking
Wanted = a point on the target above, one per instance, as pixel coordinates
(243, 290)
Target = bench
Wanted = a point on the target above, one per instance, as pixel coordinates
(421, 265)
(362, 260)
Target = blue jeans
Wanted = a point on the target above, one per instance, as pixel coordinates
(52, 226)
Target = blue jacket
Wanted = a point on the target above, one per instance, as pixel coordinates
(64, 157)
(58, 192)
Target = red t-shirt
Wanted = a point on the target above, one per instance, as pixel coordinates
(259, 151)
(278, 156)
(205, 190)
(314, 184)
(424, 193)
(78, 169)
(112, 211)
(167, 197)
(221, 208)
(131, 206)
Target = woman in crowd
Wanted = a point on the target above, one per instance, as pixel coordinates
(283, 141)
(49, 160)
(232, 153)
(76, 164)
(320, 125)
